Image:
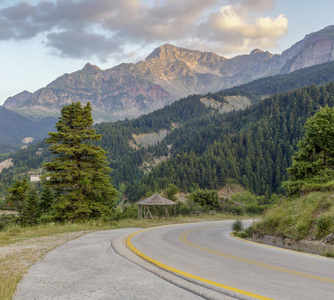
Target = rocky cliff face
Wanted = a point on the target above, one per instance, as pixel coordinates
(167, 74)
(315, 48)
(17, 99)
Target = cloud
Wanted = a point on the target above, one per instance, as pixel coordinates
(235, 30)
(255, 5)
(79, 44)
(104, 28)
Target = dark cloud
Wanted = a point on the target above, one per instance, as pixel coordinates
(79, 44)
(103, 28)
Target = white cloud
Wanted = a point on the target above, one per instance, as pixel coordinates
(234, 27)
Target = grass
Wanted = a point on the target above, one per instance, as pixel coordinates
(21, 247)
(307, 217)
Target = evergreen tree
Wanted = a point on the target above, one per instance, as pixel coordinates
(46, 200)
(31, 211)
(78, 173)
(17, 194)
(314, 160)
(171, 191)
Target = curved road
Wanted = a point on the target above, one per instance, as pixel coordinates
(206, 254)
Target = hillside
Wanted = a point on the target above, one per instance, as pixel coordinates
(197, 146)
(167, 74)
(17, 130)
(257, 89)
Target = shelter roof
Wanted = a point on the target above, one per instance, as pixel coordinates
(156, 199)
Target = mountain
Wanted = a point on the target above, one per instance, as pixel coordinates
(17, 99)
(260, 88)
(167, 74)
(17, 130)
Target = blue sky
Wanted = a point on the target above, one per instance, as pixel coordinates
(41, 40)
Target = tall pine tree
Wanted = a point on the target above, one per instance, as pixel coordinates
(78, 173)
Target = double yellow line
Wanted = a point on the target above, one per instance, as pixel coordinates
(176, 271)
(183, 238)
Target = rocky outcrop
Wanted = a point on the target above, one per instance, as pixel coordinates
(315, 247)
(231, 103)
(167, 74)
(6, 164)
(150, 139)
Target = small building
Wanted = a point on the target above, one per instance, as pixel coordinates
(154, 200)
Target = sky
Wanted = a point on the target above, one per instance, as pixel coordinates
(42, 40)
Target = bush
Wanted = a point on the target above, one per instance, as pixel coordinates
(255, 209)
(182, 209)
(6, 220)
(237, 226)
(238, 210)
(205, 197)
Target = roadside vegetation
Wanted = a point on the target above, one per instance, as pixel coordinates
(308, 212)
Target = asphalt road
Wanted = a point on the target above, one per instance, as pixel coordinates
(206, 254)
(202, 260)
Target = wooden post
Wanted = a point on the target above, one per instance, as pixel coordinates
(149, 212)
(174, 210)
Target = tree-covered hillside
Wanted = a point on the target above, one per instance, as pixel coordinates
(202, 147)
(252, 147)
(14, 127)
(317, 75)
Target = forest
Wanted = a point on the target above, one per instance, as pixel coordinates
(203, 148)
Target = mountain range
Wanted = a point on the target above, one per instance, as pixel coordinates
(167, 74)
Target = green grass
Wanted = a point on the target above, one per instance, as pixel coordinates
(306, 217)
(14, 265)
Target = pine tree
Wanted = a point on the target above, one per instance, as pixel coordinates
(78, 173)
(314, 160)
(46, 200)
(18, 194)
(30, 212)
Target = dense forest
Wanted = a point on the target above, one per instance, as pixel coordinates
(203, 148)
(252, 147)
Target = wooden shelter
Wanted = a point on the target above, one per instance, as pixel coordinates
(154, 200)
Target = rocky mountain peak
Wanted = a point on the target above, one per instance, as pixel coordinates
(88, 68)
(17, 99)
(163, 51)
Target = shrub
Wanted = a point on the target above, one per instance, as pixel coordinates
(255, 209)
(238, 210)
(237, 226)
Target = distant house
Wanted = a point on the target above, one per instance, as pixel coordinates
(35, 178)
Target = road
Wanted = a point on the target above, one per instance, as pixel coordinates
(206, 254)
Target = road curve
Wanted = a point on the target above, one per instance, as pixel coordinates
(206, 254)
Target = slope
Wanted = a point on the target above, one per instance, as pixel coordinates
(14, 128)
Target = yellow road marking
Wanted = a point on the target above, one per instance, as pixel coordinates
(183, 238)
(171, 269)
